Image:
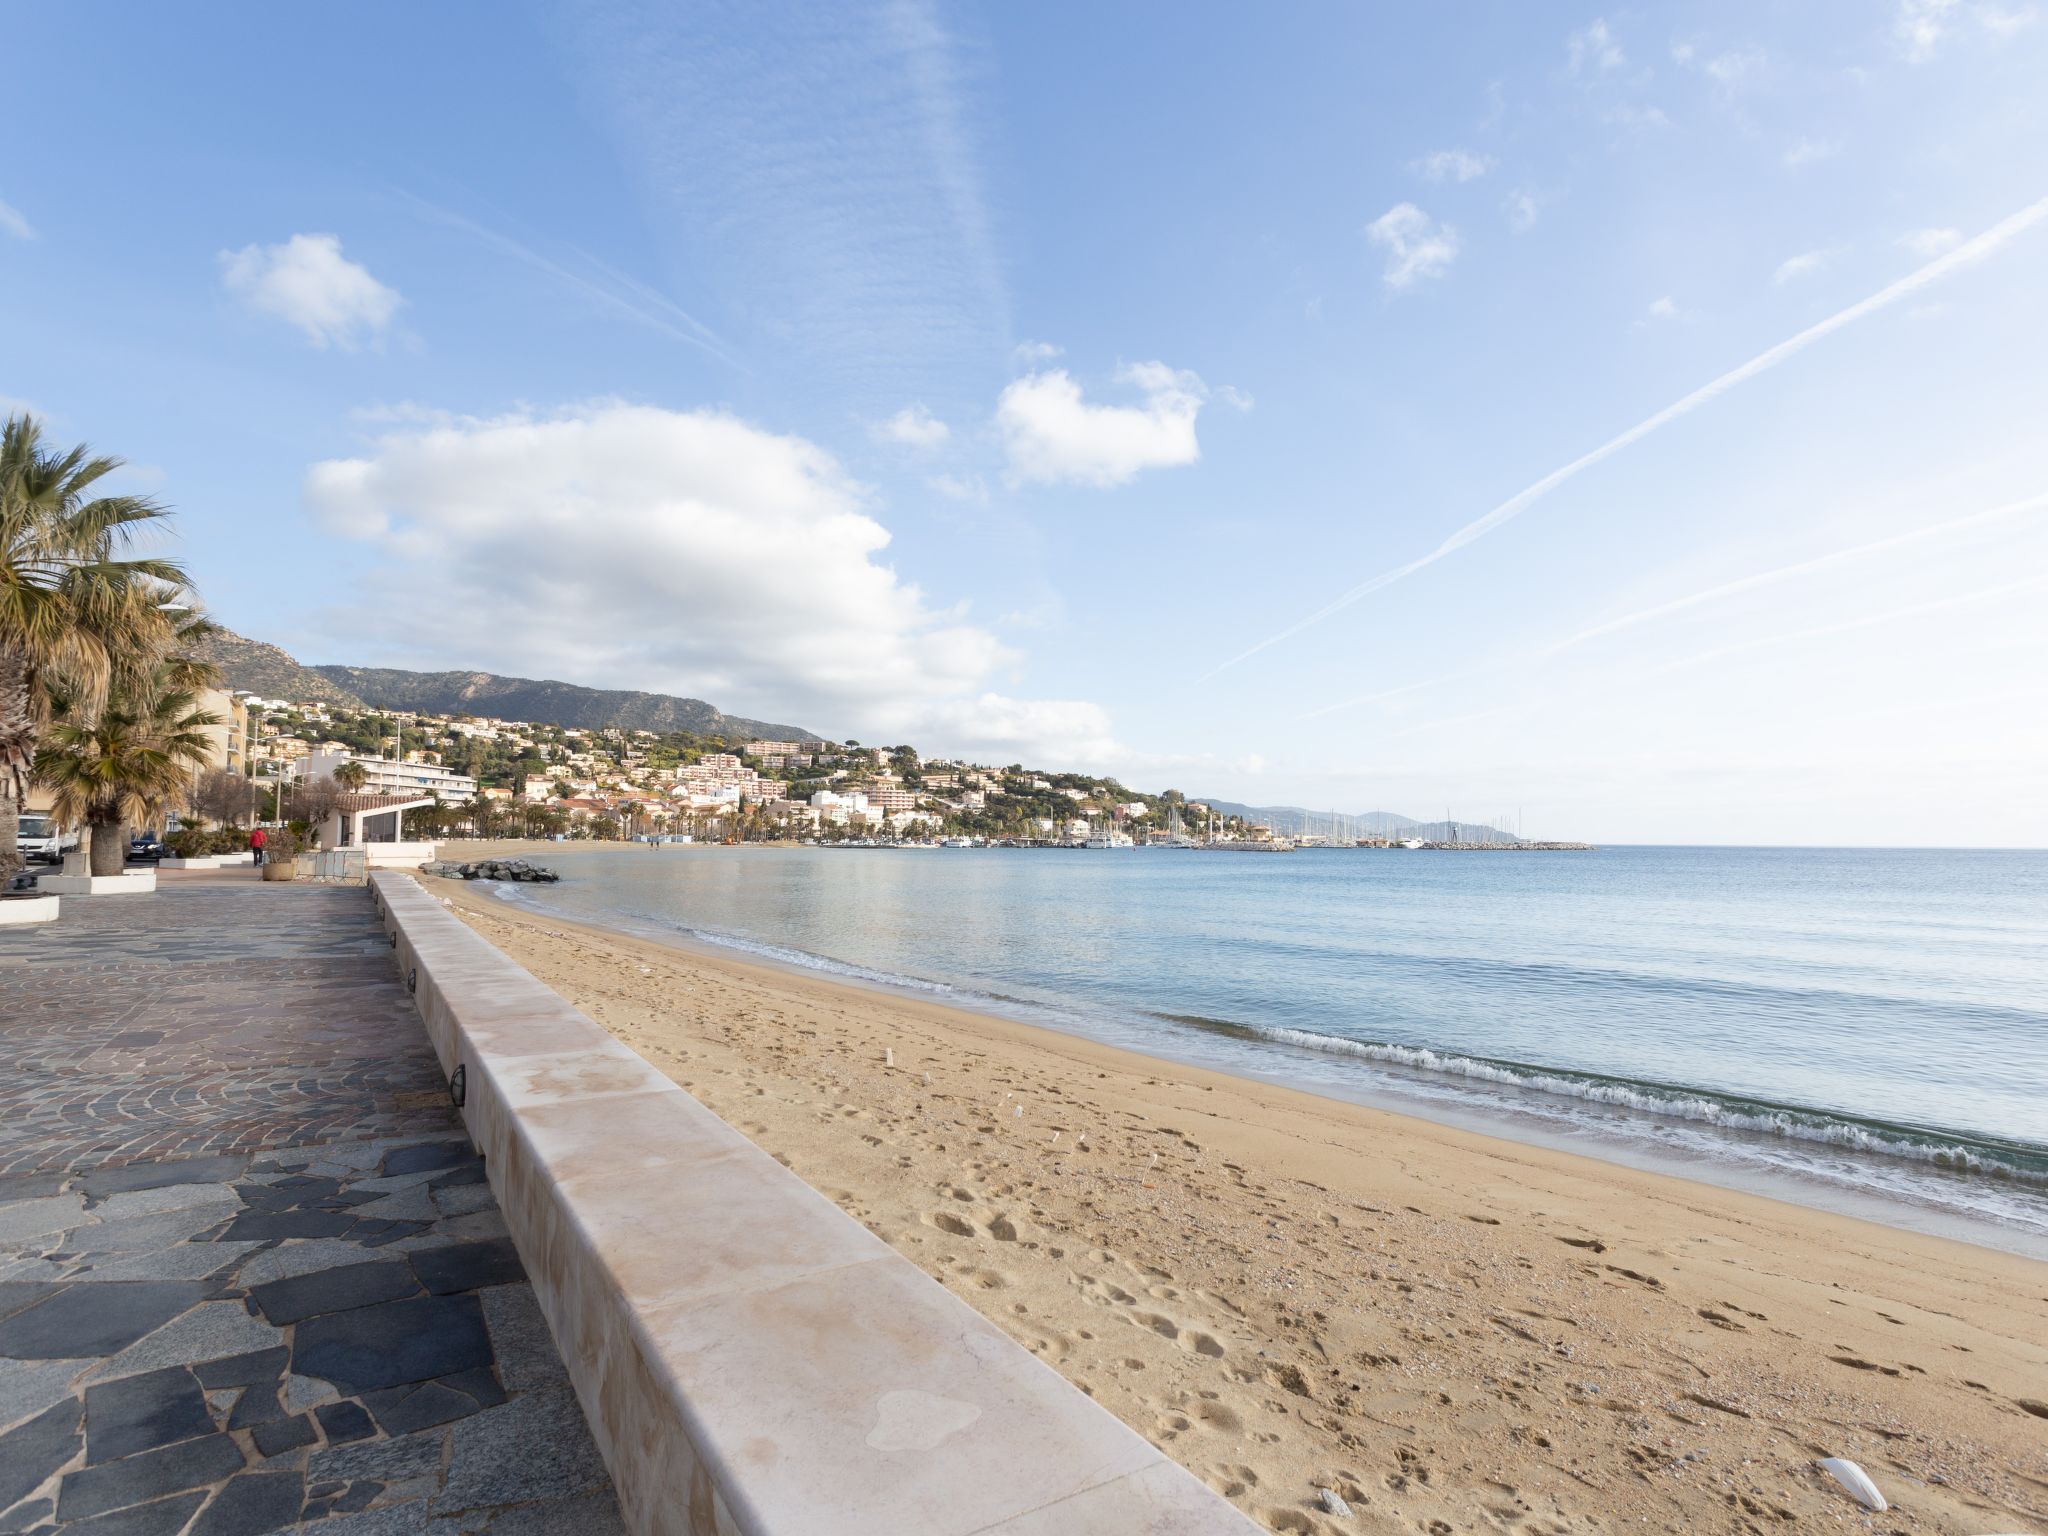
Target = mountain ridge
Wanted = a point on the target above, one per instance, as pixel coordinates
(1295, 820)
(269, 670)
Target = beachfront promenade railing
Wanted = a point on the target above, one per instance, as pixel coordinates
(750, 1358)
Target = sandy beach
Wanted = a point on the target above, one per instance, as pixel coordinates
(1289, 1294)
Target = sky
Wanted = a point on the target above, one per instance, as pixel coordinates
(1627, 424)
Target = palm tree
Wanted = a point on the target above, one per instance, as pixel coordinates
(124, 763)
(352, 776)
(72, 612)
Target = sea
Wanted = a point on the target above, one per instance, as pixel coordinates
(1863, 1030)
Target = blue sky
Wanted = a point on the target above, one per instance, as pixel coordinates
(1018, 381)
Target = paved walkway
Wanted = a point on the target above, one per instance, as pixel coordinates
(251, 1276)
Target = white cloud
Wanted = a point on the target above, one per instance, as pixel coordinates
(1523, 209)
(15, 223)
(1026, 730)
(968, 488)
(677, 549)
(1032, 353)
(1929, 243)
(1051, 434)
(1732, 71)
(1417, 246)
(913, 427)
(1663, 309)
(1596, 46)
(308, 282)
(2002, 21)
(629, 546)
(1805, 264)
(1920, 27)
(1451, 165)
(1808, 152)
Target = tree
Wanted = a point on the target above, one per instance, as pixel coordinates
(124, 763)
(219, 796)
(71, 610)
(312, 801)
(352, 777)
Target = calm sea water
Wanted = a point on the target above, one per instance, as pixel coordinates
(1866, 1030)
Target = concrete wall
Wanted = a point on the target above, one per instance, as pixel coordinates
(751, 1359)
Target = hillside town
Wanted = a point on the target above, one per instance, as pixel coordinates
(496, 778)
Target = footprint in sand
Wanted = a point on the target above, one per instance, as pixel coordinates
(1193, 1340)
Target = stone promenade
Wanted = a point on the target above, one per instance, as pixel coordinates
(251, 1276)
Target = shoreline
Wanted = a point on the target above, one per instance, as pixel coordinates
(1287, 1292)
(1742, 1166)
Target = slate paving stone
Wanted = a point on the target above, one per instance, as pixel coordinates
(315, 1163)
(402, 1410)
(27, 1387)
(164, 1199)
(344, 1421)
(263, 1225)
(392, 1520)
(80, 1320)
(207, 1332)
(258, 1405)
(257, 1367)
(526, 1351)
(464, 1199)
(193, 1464)
(468, 1266)
(164, 1517)
(221, 1169)
(426, 1155)
(283, 1435)
(393, 1233)
(389, 1461)
(359, 1494)
(393, 1343)
(298, 1259)
(187, 1261)
(26, 1220)
(533, 1447)
(141, 1413)
(594, 1514)
(30, 1452)
(16, 1294)
(334, 1290)
(251, 1504)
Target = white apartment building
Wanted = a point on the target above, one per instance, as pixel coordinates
(385, 777)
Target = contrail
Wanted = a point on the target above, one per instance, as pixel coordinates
(1963, 255)
(1725, 589)
(1862, 621)
(1801, 568)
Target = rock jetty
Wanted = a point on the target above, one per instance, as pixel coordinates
(496, 869)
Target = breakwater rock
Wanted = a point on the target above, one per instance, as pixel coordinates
(495, 869)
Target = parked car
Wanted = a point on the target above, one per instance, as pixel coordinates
(144, 849)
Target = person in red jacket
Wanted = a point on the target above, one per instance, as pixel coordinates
(256, 841)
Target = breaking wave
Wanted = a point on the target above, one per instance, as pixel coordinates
(1946, 1150)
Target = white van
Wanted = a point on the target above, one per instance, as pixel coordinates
(40, 841)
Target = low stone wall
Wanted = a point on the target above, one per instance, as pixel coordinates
(20, 911)
(751, 1359)
(134, 883)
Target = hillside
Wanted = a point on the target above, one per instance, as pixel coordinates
(267, 670)
(1294, 821)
